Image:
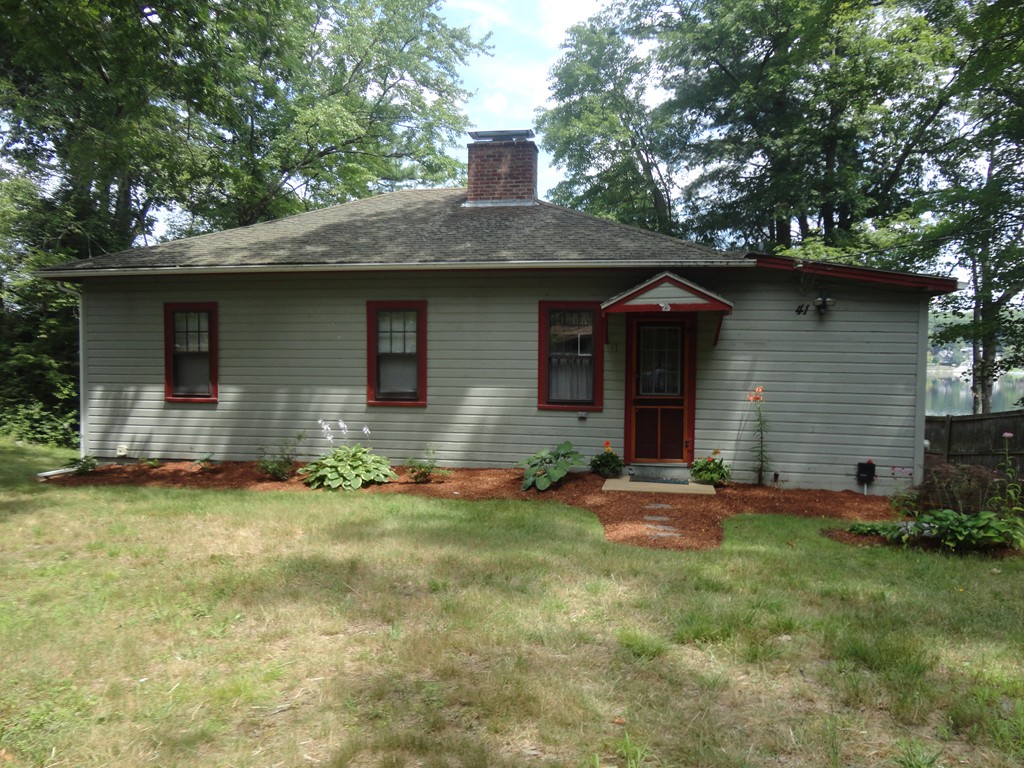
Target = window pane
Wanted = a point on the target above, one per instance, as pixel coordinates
(191, 331)
(396, 331)
(570, 356)
(661, 361)
(192, 375)
(570, 379)
(571, 332)
(397, 376)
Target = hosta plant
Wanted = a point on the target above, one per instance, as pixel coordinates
(349, 468)
(955, 531)
(548, 467)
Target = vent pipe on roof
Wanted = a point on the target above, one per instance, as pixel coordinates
(502, 168)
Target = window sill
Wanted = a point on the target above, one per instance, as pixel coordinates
(589, 408)
(398, 403)
(191, 400)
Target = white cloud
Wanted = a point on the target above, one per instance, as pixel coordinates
(557, 17)
(495, 104)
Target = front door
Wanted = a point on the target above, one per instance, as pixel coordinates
(660, 390)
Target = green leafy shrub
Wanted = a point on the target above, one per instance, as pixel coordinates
(83, 465)
(961, 508)
(960, 532)
(711, 469)
(34, 423)
(955, 531)
(280, 466)
(349, 467)
(548, 467)
(424, 470)
(608, 463)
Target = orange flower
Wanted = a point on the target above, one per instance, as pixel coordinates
(607, 446)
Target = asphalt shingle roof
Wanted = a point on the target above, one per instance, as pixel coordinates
(428, 227)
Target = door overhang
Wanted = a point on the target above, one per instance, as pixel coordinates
(667, 292)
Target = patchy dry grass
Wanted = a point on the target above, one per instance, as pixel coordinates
(243, 629)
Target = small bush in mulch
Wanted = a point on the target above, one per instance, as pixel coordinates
(963, 488)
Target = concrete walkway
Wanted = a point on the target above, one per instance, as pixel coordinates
(629, 484)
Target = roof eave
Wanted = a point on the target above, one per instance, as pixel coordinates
(81, 274)
(933, 285)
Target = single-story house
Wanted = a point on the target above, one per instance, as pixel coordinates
(487, 324)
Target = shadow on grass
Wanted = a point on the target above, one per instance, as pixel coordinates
(20, 491)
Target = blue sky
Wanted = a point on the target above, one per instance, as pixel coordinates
(510, 85)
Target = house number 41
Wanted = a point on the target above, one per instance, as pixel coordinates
(803, 309)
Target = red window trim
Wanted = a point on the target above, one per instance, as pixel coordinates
(545, 309)
(170, 309)
(372, 308)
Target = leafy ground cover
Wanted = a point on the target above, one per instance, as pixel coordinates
(148, 625)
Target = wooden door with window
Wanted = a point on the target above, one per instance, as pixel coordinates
(659, 408)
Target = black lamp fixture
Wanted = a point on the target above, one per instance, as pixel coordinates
(823, 303)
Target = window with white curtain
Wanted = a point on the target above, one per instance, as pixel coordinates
(571, 348)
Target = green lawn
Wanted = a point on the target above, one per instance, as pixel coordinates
(142, 627)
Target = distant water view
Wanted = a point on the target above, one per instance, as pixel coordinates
(950, 395)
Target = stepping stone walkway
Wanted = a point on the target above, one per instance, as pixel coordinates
(655, 525)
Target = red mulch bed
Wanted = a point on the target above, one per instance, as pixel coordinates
(697, 517)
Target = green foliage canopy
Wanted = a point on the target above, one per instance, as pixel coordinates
(213, 113)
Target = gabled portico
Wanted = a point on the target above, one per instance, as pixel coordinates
(661, 377)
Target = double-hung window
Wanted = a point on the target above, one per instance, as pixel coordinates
(396, 352)
(190, 352)
(571, 356)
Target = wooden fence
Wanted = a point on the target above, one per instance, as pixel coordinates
(977, 439)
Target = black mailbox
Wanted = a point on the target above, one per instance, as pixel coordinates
(865, 472)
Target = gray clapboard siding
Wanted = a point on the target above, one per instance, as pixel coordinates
(482, 371)
(838, 389)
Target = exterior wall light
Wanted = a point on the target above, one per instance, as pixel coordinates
(823, 303)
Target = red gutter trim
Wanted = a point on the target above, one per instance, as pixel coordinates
(931, 284)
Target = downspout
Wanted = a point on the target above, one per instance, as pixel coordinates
(922, 392)
(63, 287)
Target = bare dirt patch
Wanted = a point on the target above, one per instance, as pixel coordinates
(697, 519)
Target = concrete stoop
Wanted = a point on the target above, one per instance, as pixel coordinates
(633, 484)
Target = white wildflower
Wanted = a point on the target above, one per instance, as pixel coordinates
(343, 427)
(366, 430)
(325, 430)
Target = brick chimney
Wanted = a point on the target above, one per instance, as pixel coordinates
(502, 168)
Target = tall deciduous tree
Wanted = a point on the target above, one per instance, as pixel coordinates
(603, 133)
(884, 132)
(225, 112)
(324, 101)
(802, 118)
(979, 204)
